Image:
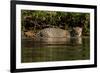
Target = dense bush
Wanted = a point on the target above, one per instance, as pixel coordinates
(41, 19)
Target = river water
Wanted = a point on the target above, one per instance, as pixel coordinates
(77, 49)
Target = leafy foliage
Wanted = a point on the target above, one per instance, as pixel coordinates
(41, 19)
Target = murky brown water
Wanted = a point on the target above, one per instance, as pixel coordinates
(76, 49)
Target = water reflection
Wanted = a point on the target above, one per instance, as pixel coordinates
(76, 49)
(75, 41)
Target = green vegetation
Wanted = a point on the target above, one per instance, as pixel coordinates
(37, 20)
